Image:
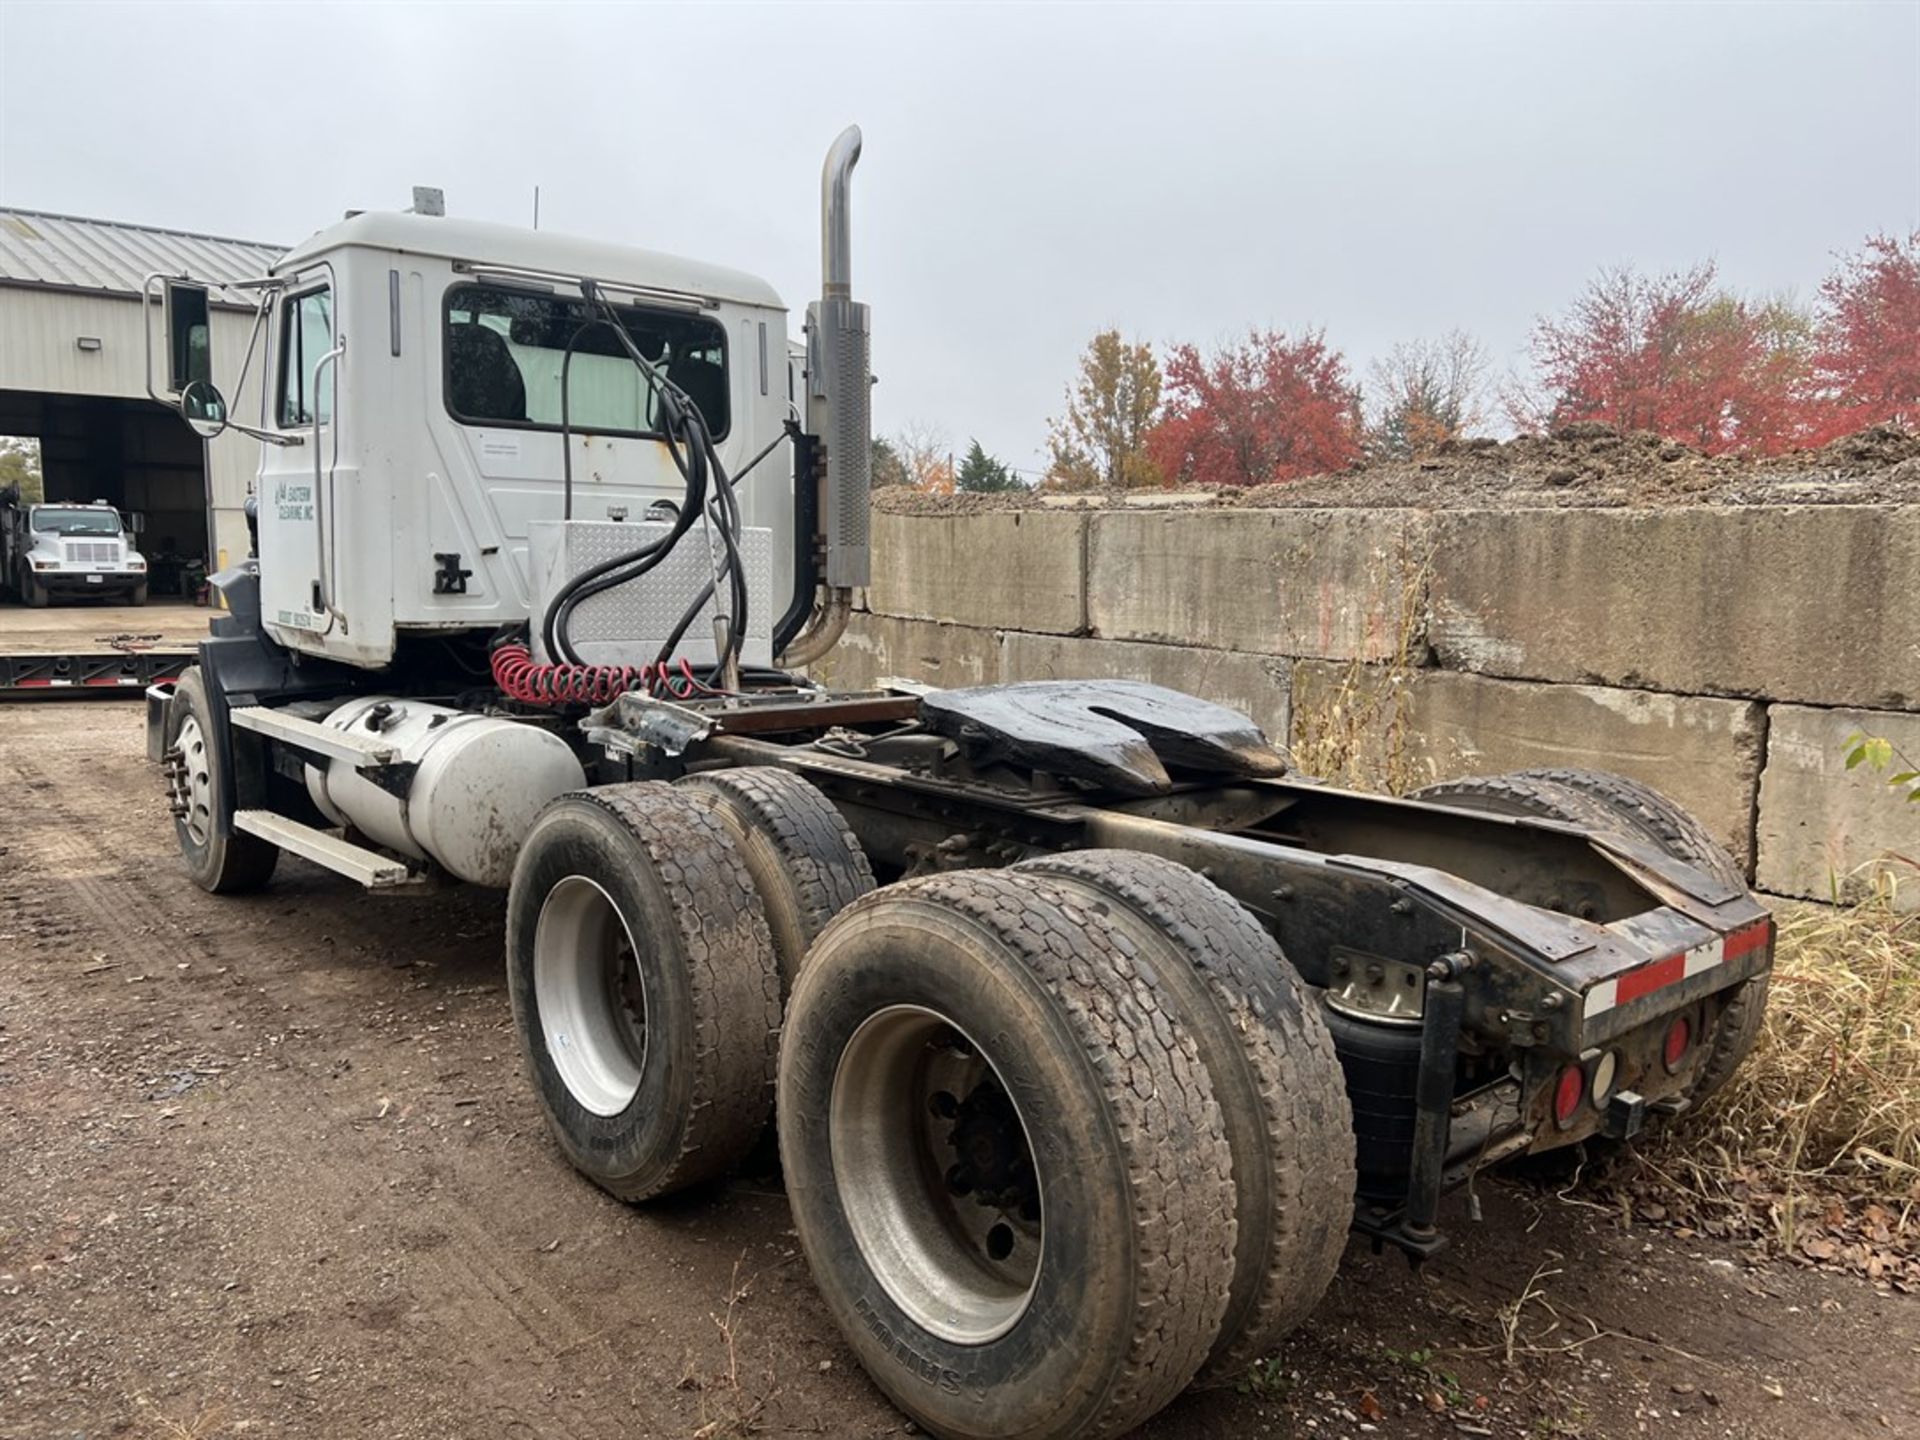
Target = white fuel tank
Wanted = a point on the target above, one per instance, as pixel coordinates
(479, 784)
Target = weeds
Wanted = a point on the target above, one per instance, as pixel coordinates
(1355, 727)
(1831, 1093)
(726, 1407)
(1266, 1379)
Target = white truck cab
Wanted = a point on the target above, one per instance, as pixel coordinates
(64, 549)
(461, 420)
(419, 360)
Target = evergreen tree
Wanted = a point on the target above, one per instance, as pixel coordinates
(981, 474)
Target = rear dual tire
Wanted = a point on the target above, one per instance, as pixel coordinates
(976, 1074)
(644, 987)
(1275, 1075)
(1055, 1139)
(806, 864)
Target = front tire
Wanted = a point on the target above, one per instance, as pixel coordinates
(33, 592)
(644, 987)
(222, 861)
(1006, 1165)
(138, 595)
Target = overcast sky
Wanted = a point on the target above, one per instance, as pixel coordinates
(1031, 174)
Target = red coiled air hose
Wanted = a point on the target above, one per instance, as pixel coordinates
(515, 672)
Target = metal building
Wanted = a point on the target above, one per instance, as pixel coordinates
(73, 373)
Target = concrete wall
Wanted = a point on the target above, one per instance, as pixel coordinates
(1720, 654)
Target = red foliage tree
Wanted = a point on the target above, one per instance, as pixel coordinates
(1675, 355)
(1866, 361)
(1265, 409)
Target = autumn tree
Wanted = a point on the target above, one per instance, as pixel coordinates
(1677, 355)
(981, 474)
(1866, 354)
(1426, 391)
(926, 455)
(20, 468)
(1101, 438)
(1267, 408)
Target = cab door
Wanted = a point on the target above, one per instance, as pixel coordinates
(301, 389)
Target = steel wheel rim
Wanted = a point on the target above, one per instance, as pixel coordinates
(590, 996)
(196, 771)
(918, 1121)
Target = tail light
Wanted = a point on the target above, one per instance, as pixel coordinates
(1673, 1051)
(1567, 1095)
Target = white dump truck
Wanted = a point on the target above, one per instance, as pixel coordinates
(48, 551)
(1089, 1031)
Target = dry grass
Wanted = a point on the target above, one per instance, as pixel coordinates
(1832, 1090)
(1356, 728)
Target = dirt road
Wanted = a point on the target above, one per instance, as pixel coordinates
(271, 1169)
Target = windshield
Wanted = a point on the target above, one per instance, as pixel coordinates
(62, 520)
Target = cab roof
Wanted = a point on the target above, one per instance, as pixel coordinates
(482, 244)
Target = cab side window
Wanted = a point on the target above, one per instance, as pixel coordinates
(306, 334)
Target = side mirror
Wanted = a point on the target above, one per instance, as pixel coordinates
(137, 521)
(189, 338)
(203, 408)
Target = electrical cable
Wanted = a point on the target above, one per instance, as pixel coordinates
(694, 454)
(710, 494)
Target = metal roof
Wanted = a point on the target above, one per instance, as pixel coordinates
(69, 253)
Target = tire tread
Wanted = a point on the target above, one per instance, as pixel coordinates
(734, 983)
(822, 858)
(1289, 1259)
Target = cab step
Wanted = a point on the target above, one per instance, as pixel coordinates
(357, 749)
(343, 857)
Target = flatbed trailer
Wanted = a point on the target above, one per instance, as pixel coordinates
(94, 649)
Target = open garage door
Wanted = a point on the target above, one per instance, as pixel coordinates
(131, 453)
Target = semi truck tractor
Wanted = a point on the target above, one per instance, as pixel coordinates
(1089, 1031)
(52, 551)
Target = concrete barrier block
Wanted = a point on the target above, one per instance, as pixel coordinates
(1703, 753)
(1021, 568)
(1255, 685)
(877, 646)
(1814, 603)
(1332, 584)
(1825, 829)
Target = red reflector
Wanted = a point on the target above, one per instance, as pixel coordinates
(1568, 1094)
(1679, 1041)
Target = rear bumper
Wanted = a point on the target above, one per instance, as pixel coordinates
(1628, 1077)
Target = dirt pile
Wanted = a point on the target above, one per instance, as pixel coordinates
(1581, 465)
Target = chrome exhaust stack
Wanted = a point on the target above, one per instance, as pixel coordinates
(838, 415)
(839, 378)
